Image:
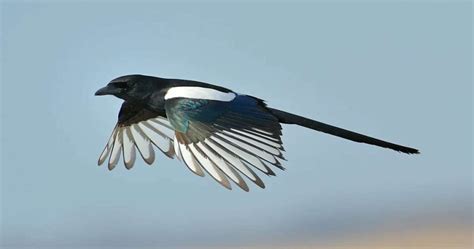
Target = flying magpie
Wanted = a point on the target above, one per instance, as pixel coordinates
(210, 128)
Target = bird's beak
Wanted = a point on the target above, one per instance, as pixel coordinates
(107, 90)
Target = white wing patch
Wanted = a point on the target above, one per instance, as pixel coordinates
(143, 144)
(220, 163)
(226, 156)
(193, 92)
(108, 147)
(232, 160)
(142, 136)
(115, 154)
(190, 160)
(129, 153)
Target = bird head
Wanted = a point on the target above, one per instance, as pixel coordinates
(129, 87)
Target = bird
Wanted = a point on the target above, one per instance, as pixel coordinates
(211, 129)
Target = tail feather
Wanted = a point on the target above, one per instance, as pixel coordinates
(288, 118)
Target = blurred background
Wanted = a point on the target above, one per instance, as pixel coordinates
(401, 71)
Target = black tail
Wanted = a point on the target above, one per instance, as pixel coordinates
(288, 118)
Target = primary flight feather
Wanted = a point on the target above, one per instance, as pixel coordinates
(210, 128)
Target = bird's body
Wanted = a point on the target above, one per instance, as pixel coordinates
(209, 128)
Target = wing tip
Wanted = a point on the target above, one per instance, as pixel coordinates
(259, 183)
(111, 167)
(226, 185)
(245, 188)
(128, 166)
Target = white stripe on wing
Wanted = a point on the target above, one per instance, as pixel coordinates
(143, 144)
(189, 159)
(129, 153)
(117, 148)
(193, 92)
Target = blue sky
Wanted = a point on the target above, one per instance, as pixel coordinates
(398, 71)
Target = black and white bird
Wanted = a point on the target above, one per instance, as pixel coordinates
(210, 128)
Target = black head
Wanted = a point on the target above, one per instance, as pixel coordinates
(132, 87)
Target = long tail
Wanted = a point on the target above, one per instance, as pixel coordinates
(288, 118)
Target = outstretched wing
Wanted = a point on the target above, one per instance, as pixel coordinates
(226, 139)
(138, 129)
